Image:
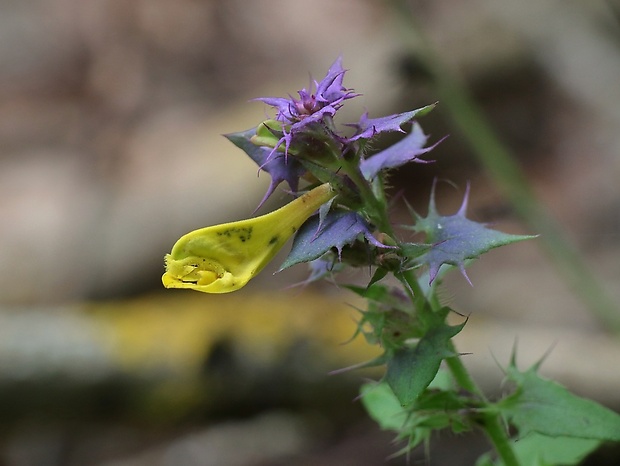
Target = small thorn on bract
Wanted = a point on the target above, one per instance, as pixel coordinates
(463, 209)
(464, 273)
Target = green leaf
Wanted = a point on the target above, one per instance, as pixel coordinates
(438, 407)
(413, 250)
(268, 134)
(378, 361)
(379, 275)
(455, 239)
(411, 370)
(388, 320)
(541, 450)
(544, 406)
(385, 296)
(383, 406)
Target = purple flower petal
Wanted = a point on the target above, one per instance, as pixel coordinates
(404, 151)
(330, 90)
(327, 98)
(285, 107)
(369, 127)
(311, 107)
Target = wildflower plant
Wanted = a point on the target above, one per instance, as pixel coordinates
(340, 218)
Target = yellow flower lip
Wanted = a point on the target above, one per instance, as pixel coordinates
(223, 258)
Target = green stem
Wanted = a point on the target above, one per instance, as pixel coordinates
(497, 435)
(461, 374)
(491, 422)
(418, 297)
(375, 202)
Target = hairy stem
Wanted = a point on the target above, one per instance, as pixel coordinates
(374, 201)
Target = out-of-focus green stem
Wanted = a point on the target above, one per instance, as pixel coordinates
(508, 175)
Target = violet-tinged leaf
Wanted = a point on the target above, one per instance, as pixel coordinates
(369, 127)
(276, 164)
(335, 230)
(408, 149)
(455, 239)
(330, 89)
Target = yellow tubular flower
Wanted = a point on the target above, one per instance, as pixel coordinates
(223, 258)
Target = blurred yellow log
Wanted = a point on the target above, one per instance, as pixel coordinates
(178, 331)
(176, 355)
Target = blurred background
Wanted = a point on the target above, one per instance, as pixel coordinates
(111, 116)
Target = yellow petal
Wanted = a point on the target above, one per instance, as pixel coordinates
(223, 258)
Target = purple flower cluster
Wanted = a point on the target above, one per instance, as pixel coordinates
(312, 107)
(309, 118)
(303, 141)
